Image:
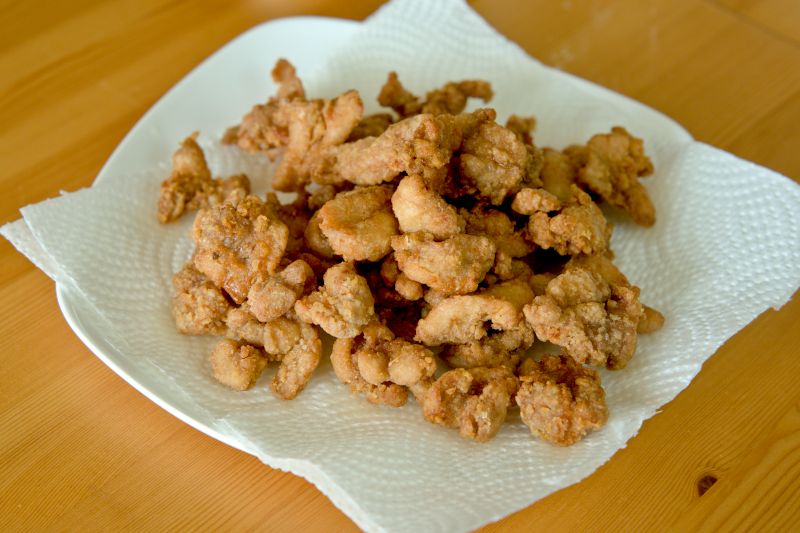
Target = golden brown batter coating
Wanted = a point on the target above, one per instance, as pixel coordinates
(418, 208)
(275, 295)
(263, 129)
(560, 400)
(498, 348)
(452, 97)
(408, 288)
(614, 163)
(298, 363)
(347, 365)
(473, 400)
(463, 319)
(652, 320)
(286, 339)
(359, 224)
(593, 321)
(502, 348)
(315, 240)
(313, 127)
(295, 215)
(342, 306)
(242, 325)
(497, 226)
(422, 145)
(528, 201)
(395, 96)
(522, 127)
(198, 306)
(371, 126)
(190, 185)
(238, 245)
(454, 266)
(559, 172)
(448, 99)
(237, 365)
(494, 160)
(578, 227)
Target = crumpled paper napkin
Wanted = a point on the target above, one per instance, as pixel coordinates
(725, 248)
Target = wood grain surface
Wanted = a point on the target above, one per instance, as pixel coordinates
(80, 449)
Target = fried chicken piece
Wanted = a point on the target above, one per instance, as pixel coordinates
(389, 271)
(342, 306)
(320, 195)
(368, 362)
(298, 362)
(498, 348)
(392, 308)
(395, 96)
(452, 96)
(371, 126)
(494, 160)
(652, 320)
(517, 291)
(277, 336)
(449, 99)
(286, 339)
(538, 282)
(473, 400)
(313, 126)
(577, 227)
(263, 129)
(395, 360)
(454, 266)
(198, 307)
(275, 295)
(558, 173)
(418, 208)
(241, 324)
(499, 228)
(408, 288)
(295, 215)
(359, 224)
(505, 268)
(315, 240)
(522, 127)
(614, 163)
(238, 245)
(593, 321)
(502, 348)
(237, 365)
(528, 201)
(190, 185)
(462, 319)
(422, 145)
(231, 135)
(409, 363)
(560, 400)
(533, 170)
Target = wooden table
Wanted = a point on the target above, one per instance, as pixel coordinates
(80, 449)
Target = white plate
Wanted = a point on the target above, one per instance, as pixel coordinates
(234, 78)
(388, 468)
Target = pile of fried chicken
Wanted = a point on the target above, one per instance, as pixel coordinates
(435, 246)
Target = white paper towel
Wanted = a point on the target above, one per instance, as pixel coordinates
(725, 248)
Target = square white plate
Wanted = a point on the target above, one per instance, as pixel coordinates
(388, 468)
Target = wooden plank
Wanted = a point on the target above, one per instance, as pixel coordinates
(781, 18)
